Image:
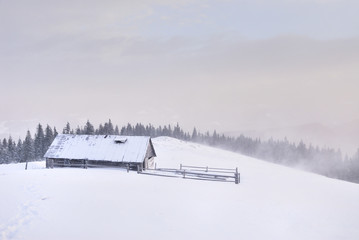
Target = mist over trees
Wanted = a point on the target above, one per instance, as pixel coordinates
(32, 148)
(325, 161)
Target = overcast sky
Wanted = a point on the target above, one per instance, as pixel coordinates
(225, 65)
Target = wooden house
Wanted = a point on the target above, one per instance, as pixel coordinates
(135, 152)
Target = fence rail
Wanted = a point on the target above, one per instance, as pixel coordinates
(187, 177)
(197, 173)
(207, 168)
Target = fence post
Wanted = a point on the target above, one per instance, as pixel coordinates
(184, 173)
(155, 166)
(85, 163)
(236, 177)
(128, 167)
(181, 166)
(207, 169)
(138, 168)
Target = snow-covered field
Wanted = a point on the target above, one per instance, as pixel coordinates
(271, 202)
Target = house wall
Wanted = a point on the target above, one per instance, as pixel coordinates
(56, 162)
(150, 152)
(83, 163)
(149, 163)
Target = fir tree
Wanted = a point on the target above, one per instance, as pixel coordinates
(123, 131)
(4, 143)
(56, 133)
(4, 151)
(177, 131)
(89, 128)
(100, 130)
(2, 154)
(28, 148)
(67, 129)
(49, 137)
(110, 129)
(117, 132)
(39, 142)
(129, 130)
(19, 151)
(11, 150)
(78, 130)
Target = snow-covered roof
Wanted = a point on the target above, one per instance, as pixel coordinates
(112, 148)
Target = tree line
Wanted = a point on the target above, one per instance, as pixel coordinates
(324, 161)
(28, 149)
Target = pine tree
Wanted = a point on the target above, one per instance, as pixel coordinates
(4, 143)
(19, 150)
(67, 129)
(28, 148)
(117, 132)
(78, 130)
(170, 133)
(5, 152)
(123, 131)
(56, 133)
(101, 130)
(49, 137)
(39, 142)
(159, 131)
(215, 138)
(2, 154)
(301, 150)
(165, 131)
(129, 130)
(110, 129)
(177, 131)
(11, 150)
(89, 128)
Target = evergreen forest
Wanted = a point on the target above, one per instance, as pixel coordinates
(325, 161)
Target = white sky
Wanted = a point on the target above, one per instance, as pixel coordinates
(225, 65)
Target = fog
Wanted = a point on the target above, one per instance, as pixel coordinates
(234, 66)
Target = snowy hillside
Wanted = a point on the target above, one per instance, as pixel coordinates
(271, 202)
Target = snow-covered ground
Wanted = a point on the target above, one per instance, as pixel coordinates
(271, 202)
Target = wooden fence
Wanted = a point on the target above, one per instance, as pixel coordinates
(184, 171)
(197, 173)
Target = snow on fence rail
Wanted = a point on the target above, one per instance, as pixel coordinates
(208, 169)
(197, 173)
